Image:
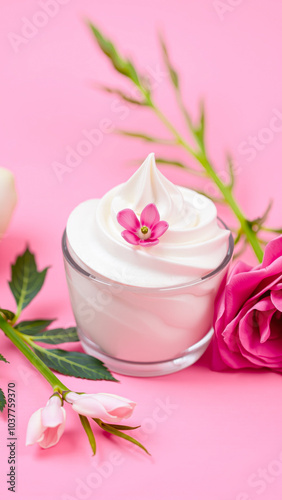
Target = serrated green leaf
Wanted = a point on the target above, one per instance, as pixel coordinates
(9, 315)
(33, 327)
(86, 426)
(26, 280)
(123, 66)
(3, 359)
(74, 364)
(113, 430)
(57, 336)
(3, 401)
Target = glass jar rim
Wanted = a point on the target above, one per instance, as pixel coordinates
(135, 288)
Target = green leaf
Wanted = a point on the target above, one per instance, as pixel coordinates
(57, 336)
(123, 66)
(231, 171)
(86, 426)
(113, 430)
(121, 94)
(74, 364)
(3, 401)
(145, 137)
(271, 229)
(26, 280)
(172, 72)
(33, 327)
(199, 131)
(179, 164)
(8, 315)
(257, 223)
(125, 427)
(3, 359)
(36, 329)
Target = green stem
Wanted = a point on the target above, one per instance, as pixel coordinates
(228, 196)
(225, 190)
(17, 340)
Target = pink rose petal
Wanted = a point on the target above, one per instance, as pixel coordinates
(272, 251)
(276, 299)
(248, 315)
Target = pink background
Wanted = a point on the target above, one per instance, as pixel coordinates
(222, 438)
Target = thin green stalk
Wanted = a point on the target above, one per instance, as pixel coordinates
(271, 229)
(17, 339)
(227, 193)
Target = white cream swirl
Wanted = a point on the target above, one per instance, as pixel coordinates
(192, 246)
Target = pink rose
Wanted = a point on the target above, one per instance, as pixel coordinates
(248, 315)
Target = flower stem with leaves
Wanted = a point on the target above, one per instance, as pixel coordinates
(25, 284)
(248, 230)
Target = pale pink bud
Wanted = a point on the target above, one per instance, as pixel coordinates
(8, 198)
(47, 424)
(107, 407)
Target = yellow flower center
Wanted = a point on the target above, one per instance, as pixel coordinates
(144, 230)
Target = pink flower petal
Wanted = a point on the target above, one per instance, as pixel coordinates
(159, 229)
(34, 428)
(52, 435)
(117, 406)
(52, 414)
(148, 243)
(127, 219)
(72, 396)
(276, 298)
(272, 251)
(90, 406)
(149, 216)
(130, 237)
(49, 437)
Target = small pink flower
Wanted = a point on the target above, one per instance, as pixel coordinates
(144, 232)
(104, 406)
(47, 424)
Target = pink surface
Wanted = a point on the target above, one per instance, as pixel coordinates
(221, 438)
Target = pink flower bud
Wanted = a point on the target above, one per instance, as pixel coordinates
(47, 424)
(8, 198)
(107, 407)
